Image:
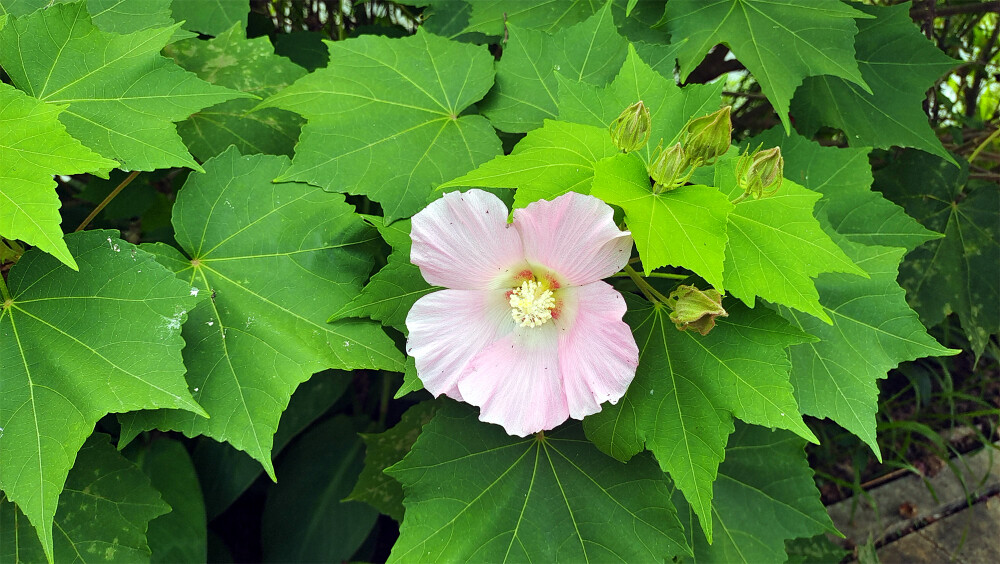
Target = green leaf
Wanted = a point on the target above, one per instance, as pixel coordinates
(447, 18)
(225, 472)
(392, 291)
(304, 517)
(211, 17)
(959, 273)
(33, 148)
(387, 131)
(688, 388)
(270, 262)
(899, 64)
(116, 325)
(670, 107)
(115, 16)
(779, 41)
(384, 449)
(844, 177)
(526, 86)
(475, 493)
(247, 65)
(764, 495)
(557, 158)
(490, 16)
(122, 94)
(181, 535)
(776, 247)
(873, 331)
(411, 381)
(685, 227)
(102, 514)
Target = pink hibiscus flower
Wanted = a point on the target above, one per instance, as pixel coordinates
(525, 329)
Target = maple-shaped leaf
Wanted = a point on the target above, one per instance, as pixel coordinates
(526, 90)
(489, 17)
(688, 388)
(33, 148)
(122, 94)
(382, 450)
(116, 16)
(685, 227)
(474, 493)
(388, 130)
(75, 346)
(764, 494)
(776, 247)
(899, 65)
(270, 262)
(392, 291)
(873, 331)
(211, 17)
(102, 515)
(670, 106)
(844, 176)
(556, 158)
(247, 65)
(779, 41)
(961, 272)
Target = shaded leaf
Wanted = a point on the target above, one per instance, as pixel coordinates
(688, 388)
(391, 132)
(270, 262)
(123, 95)
(211, 17)
(102, 516)
(490, 16)
(247, 65)
(33, 148)
(75, 346)
(475, 493)
(779, 41)
(899, 65)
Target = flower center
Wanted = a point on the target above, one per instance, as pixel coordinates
(531, 304)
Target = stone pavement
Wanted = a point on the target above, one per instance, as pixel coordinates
(917, 520)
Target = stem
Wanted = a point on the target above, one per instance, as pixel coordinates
(983, 145)
(669, 275)
(647, 290)
(742, 197)
(4, 292)
(128, 180)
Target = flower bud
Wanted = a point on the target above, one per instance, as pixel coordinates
(764, 174)
(630, 130)
(670, 169)
(707, 137)
(696, 309)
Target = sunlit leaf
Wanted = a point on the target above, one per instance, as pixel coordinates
(211, 17)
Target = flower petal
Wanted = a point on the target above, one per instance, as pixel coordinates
(463, 241)
(575, 236)
(597, 352)
(515, 382)
(448, 328)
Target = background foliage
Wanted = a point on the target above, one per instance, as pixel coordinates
(205, 248)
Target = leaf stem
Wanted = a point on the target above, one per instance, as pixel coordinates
(983, 145)
(128, 180)
(741, 197)
(647, 290)
(670, 275)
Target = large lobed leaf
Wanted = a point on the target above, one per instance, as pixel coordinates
(122, 94)
(211, 17)
(473, 493)
(779, 41)
(33, 148)
(490, 17)
(688, 388)
(116, 16)
(899, 65)
(387, 130)
(102, 516)
(75, 346)
(270, 262)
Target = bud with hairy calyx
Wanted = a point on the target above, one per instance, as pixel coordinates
(707, 137)
(695, 309)
(670, 169)
(630, 131)
(760, 174)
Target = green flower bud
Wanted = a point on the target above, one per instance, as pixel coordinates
(670, 169)
(760, 174)
(707, 137)
(630, 131)
(696, 309)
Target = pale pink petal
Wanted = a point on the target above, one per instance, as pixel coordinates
(575, 236)
(448, 328)
(515, 382)
(597, 352)
(463, 241)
